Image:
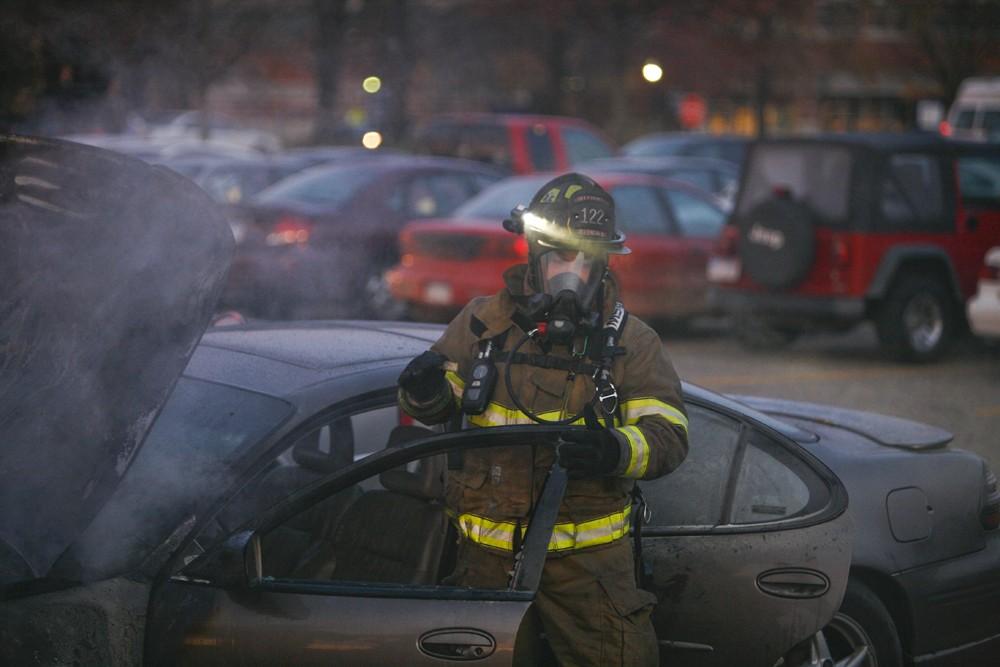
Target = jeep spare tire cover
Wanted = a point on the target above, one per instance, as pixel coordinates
(777, 242)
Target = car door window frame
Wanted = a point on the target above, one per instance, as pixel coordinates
(285, 510)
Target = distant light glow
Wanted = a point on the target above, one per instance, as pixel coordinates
(652, 72)
(371, 140)
(372, 84)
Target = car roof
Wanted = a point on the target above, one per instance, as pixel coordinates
(284, 358)
(392, 162)
(882, 141)
(659, 162)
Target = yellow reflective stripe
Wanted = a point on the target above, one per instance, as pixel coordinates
(565, 536)
(500, 415)
(456, 382)
(638, 461)
(635, 409)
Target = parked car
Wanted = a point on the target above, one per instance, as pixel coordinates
(975, 113)
(832, 231)
(188, 126)
(984, 308)
(520, 143)
(731, 148)
(719, 177)
(670, 227)
(254, 499)
(317, 243)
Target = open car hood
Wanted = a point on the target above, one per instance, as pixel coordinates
(109, 270)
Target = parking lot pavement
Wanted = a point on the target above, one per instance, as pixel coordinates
(961, 393)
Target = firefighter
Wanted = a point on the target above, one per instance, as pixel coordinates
(562, 350)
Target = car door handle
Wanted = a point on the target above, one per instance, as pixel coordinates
(457, 644)
(793, 583)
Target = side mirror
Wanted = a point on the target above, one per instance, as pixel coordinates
(236, 563)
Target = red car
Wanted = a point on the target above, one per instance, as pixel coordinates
(671, 227)
(520, 143)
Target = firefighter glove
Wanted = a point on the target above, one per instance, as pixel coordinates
(588, 453)
(423, 377)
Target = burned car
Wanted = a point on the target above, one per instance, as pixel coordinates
(256, 498)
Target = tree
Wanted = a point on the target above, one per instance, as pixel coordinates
(959, 38)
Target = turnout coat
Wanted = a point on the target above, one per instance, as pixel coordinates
(493, 493)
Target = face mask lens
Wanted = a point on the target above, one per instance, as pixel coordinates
(570, 270)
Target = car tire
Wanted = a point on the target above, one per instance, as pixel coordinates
(757, 334)
(917, 321)
(861, 633)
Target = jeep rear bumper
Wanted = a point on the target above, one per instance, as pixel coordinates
(790, 309)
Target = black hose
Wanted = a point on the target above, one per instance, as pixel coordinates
(517, 403)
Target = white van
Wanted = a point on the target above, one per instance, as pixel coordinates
(975, 114)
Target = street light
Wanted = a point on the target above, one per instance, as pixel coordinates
(372, 84)
(371, 140)
(651, 71)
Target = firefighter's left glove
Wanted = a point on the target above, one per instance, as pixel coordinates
(588, 453)
(423, 377)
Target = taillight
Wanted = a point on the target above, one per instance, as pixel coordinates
(728, 241)
(840, 252)
(505, 247)
(989, 272)
(945, 128)
(289, 231)
(989, 516)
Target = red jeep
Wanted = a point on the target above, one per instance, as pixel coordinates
(830, 231)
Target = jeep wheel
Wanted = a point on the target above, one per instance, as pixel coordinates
(756, 334)
(917, 322)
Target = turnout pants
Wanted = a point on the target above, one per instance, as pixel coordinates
(591, 610)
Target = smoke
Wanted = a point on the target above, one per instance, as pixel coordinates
(109, 269)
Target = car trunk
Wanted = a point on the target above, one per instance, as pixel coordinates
(110, 273)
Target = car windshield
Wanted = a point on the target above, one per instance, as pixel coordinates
(328, 187)
(191, 456)
(495, 203)
(817, 176)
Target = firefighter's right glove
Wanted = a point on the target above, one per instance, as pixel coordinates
(423, 378)
(588, 453)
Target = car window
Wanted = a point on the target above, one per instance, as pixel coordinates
(912, 191)
(430, 195)
(639, 210)
(694, 493)
(308, 457)
(539, 140)
(701, 178)
(485, 143)
(582, 145)
(773, 485)
(331, 188)
(495, 202)
(818, 176)
(963, 121)
(696, 217)
(233, 185)
(731, 151)
(991, 125)
(390, 527)
(203, 434)
(979, 180)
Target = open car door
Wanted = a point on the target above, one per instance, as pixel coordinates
(371, 584)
